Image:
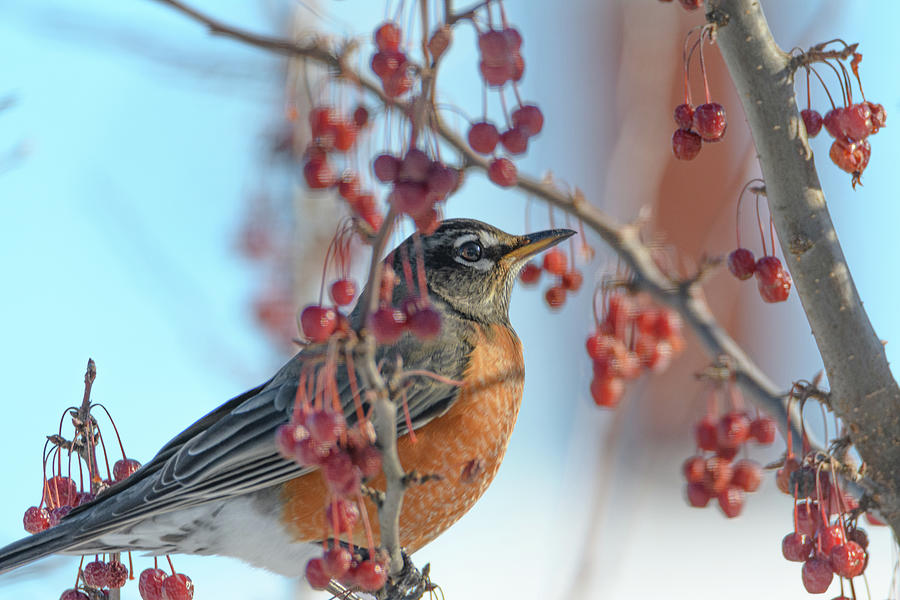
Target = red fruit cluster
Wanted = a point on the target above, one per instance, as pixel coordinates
(389, 63)
(501, 57)
(99, 574)
(333, 133)
(772, 279)
(527, 121)
(556, 264)
(320, 437)
(634, 335)
(415, 314)
(705, 123)
(850, 126)
(352, 571)
(823, 539)
(418, 185)
(715, 475)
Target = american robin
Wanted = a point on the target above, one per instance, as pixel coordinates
(221, 486)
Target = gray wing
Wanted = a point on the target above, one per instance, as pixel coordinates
(231, 451)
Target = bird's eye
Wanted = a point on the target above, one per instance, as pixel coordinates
(469, 251)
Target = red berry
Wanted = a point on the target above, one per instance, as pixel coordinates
(515, 140)
(386, 167)
(556, 261)
(318, 322)
(705, 433)
(322, 120)
(60, 491)
(414, 166)
(716, 475)
(317, 574)
(808, 519)
(343, 291)
(361, 117)
(503, 172)
(36, 519)
(326, 426)
(424, 323)
(857, 122)
(747, 475)
(555, 296)
(848, 560)
(686, 144)
(693, 469)
(336, 562)
(812, 120)
(691, 4)
(859, 536)
(370, 576)
(879, 116)
(483, 137)
(387, 37)
(763, 429)
(178, 587)
(830, 536)
(731, 501)
(348, 186)
(529, 119)
(530, 273)
(742, 263)
(368, 460)
(783, 475)
(344, 135)
(74, 595)
(441, 180)
(388, 63)
(150, 584)
(318, 174)
(697, 495)
(341, 475)
(96, 574)
(796, 547)
(816, 575)
(116, 574)
(607, 391)
(852, 157)
(124, 468)
(57, 514)
(572, 280)
(344, 512)
(410, 197)
(733, 430)
(387, 324)
(709, 121)
(684, 116)
(768, 269)
(396, 84)
(494, 47)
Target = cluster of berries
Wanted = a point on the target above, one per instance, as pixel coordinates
(154, 584)
(415, 312)
(703, 123)
(335, 133)
(390, 63)
(850, 125)
(352, 570)
(824, 539)
(418, 185)
(716, 475)
(772, 279)
(556, 264)
(484, 137)
(633, 336)
(346, 456)
(500, 51)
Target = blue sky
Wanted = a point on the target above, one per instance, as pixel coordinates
(144, 139)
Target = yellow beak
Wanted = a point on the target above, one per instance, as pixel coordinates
(533, 243)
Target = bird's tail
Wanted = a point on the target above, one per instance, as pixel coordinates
(51, 541)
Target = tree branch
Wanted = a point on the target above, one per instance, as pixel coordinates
(864, 394)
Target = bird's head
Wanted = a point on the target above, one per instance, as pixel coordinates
(471, 266)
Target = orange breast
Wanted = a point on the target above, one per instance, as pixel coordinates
(464, 446)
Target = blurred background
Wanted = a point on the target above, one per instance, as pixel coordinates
(150, 218)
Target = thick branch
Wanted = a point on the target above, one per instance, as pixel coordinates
(864, 394)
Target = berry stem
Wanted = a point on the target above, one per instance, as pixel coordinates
(824, 87)
(364, 513)
(171, 566)
(115, 429)
(354, 386)
(420, 267)
(406, 416)
(762, 236)
(703, 32)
